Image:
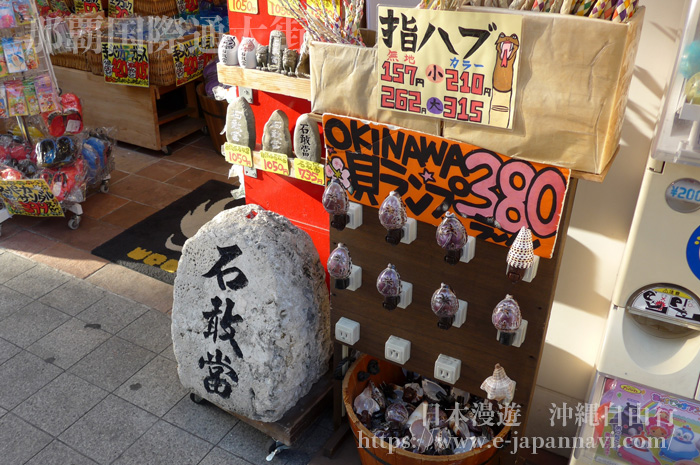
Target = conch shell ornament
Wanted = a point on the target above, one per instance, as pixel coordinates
(452, 237)
(392, 215)
(389, 285)
(444, 304)
(506, 318)
(335, 202)
(340, 266)
(499, 386)
(520, 256)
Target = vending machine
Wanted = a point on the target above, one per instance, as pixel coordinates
(645, 401)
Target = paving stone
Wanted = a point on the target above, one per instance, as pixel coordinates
(12, 265)
(207, 421)
(11, 301)
(7, 351)
(168, 353)
(112, 313)
(155, 388)
(73, 297)
(112, 363)
(23, 375)
(37, 281)
(19, 441)
(219, 456)
(2, 412)
(58, 453)
(247, 442)
(60, 403)
(68, 343)
(35, 321)
(165, 444)
(150, 331)
(107, 430)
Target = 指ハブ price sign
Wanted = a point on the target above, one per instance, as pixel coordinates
(460, 66)
(188, 7)
(125, 64)
(309, 171)
(188, 61)
(29, 197)
(238, 154)
(243, 6)
(275, 162)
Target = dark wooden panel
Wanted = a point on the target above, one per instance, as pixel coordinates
(481, 282)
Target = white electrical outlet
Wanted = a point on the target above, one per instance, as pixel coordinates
(519, 335)
(347, 331)
(355, 278)
(355, 215)
(447, 369)
(406, 296)
(397, 350)
(461, 315)
(469, 250)
(410, 231)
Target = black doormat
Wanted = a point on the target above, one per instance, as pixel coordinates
(154, 246)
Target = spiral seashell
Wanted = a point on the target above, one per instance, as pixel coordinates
(521, 254)
(499, 386)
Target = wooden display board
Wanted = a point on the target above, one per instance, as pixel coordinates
(482, 283)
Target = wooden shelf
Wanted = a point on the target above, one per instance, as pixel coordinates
(262, 80)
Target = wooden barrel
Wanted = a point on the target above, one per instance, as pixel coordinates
(375, 452)
(214, 115)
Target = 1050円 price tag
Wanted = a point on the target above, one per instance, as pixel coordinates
(238, 155)
(309, 171)
(275, 162)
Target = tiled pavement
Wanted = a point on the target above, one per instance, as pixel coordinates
(89, 377)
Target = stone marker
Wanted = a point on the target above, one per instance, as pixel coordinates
(276, 136)
(250, 322)
(307, 141)
(277, 44)
(240, 123)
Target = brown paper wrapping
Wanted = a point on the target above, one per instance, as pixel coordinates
(344, 82)
(574, 79)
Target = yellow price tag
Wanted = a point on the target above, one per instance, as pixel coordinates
(309, 171)
(243, 6)
(238, 155)
(275, 162)
(277, 8)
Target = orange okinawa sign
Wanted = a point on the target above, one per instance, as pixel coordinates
(494, 195)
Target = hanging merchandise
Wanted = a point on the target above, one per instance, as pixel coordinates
(507, 319)
(499, 386)
(444, 304)
(389, 285)
(335, 202)
(340, 266)
(520, 256)
(392, 215)
(451, 236)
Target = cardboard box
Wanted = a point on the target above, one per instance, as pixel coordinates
(573, 83)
